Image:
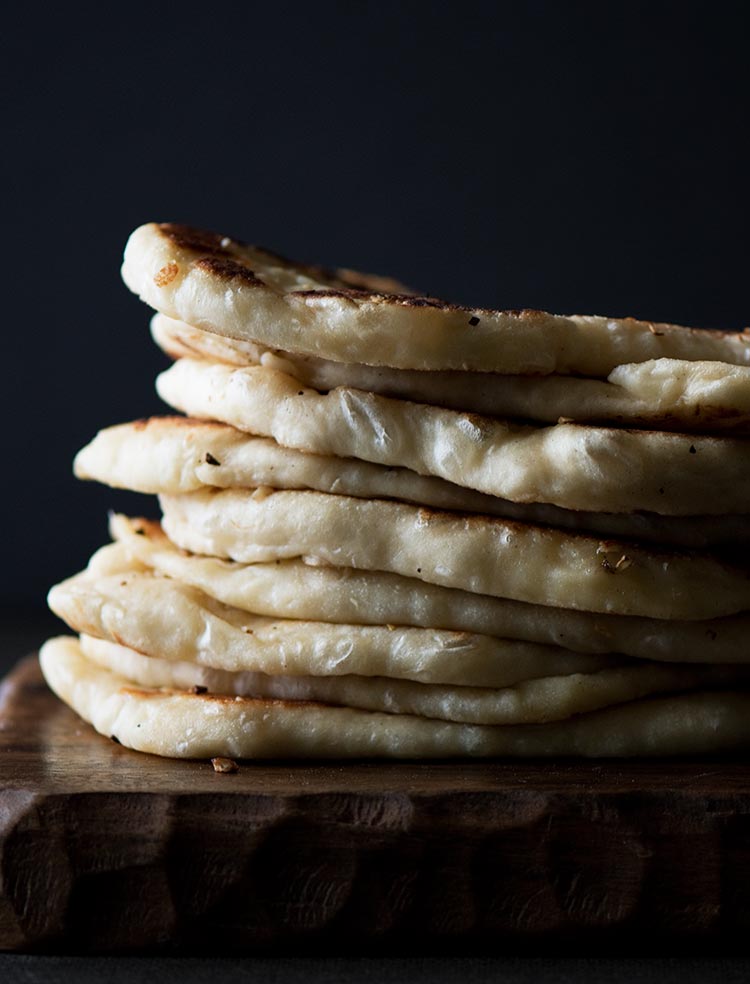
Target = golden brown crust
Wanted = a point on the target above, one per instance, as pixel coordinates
(192, 239)
(221, 256)
(229, 269)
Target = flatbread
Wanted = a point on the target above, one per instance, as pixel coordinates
(221, 285)
(482, 554)
(666, 393)
(594, 469)
(177, 454)
(293, 589)
(158, 616)
(529, 702)
(183, 725)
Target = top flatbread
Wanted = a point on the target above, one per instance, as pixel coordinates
(222, 285)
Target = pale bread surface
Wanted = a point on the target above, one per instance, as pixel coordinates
(183, 725)
(528, 702)
(176, 454)
(482, 554)
(116, 601)
(667, 394)
(221, 285)
(573, 466)
(293, 589)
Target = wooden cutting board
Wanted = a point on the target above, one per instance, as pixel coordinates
(104, 849)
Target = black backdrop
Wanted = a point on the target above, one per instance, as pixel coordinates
(579, 157)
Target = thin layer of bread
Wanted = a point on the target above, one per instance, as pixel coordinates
(295, 590)
(535, 701)
(662, 394)
(572, 466)
(187, 725)
(177, 454)
(481, 554)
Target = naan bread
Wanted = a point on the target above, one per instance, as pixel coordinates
(575, 467)
(528, 702)
(666, 393)
(293, 589)
(183, 725)
(157, 616)
(482, 554)
(227, 287)
(176, 454)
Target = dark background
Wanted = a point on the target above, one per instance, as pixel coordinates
(578, 157)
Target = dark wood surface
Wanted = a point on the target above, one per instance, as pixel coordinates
(103, 849)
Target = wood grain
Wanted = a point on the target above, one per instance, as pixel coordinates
(104, 849)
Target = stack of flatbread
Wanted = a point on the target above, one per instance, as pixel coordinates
(397, 527)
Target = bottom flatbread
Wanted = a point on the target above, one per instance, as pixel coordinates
(552, 698)
(185, 725)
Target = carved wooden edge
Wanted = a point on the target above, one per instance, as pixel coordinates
(599, 856)
(228, 872)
